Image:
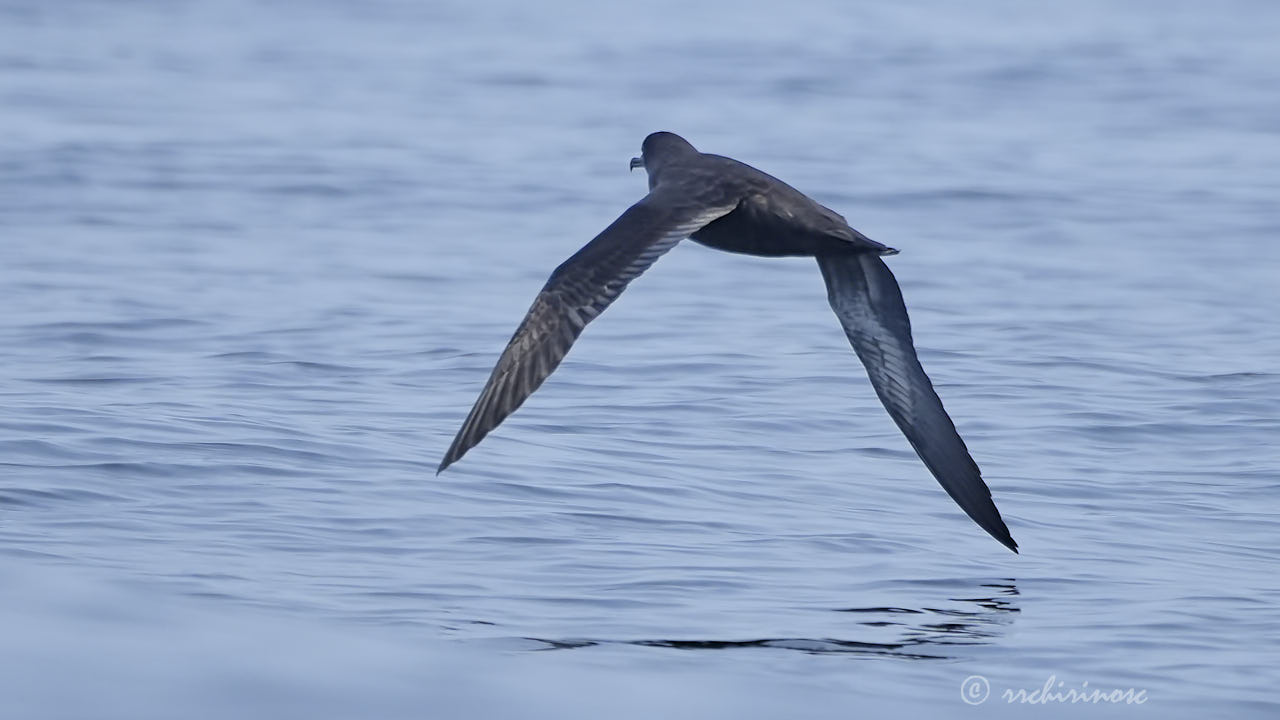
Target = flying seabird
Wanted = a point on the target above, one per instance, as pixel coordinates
(728, 205)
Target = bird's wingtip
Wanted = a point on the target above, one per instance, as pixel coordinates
(996, 528)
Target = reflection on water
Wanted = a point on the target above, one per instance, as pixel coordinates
(973, 621)
(920, 633)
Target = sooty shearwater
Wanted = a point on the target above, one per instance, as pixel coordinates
(728, 205)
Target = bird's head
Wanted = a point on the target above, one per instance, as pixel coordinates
(660, 149)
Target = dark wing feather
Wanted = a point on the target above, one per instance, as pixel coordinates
(868, 302)
(579, 290)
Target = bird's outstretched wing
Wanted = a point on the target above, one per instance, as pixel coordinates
(579, 290)
(868, 302)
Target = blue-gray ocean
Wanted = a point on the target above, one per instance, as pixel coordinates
(258, 258)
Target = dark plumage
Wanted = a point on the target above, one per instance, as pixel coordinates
(728, 205)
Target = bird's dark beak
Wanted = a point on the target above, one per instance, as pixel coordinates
(636, 162)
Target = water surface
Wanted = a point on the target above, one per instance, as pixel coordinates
(257, 260)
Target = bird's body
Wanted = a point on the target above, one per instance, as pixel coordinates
(771, 219)
(728, 205)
